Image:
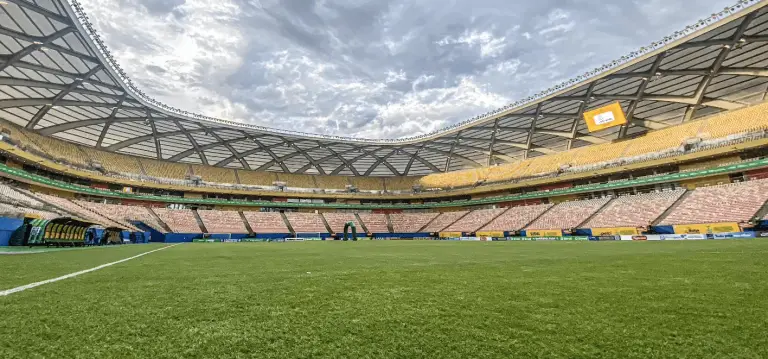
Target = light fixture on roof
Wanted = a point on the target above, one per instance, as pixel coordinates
(80, 79)
(37, 43)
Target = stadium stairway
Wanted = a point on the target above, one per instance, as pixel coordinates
(199, 221)
(245, 220)
(390, 227)
(327, 226)
(599, 211)
(761, 213)
(493, 219)
(672, 208)
(166, 228)
(421, 230)
(362, 224)
(288, 223)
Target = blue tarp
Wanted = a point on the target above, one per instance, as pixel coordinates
(664, 229)
(7, 227)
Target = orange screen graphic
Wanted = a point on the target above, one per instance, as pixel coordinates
(605, 117)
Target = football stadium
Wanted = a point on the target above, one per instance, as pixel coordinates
(620, 214)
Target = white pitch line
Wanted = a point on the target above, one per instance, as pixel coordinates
(75, 274)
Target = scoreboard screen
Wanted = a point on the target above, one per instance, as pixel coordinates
(605, 117)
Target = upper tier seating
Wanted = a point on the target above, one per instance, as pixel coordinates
(668, 138)
(332, 182)
(112, 162)
(410, 222)
(163, 169)
(474, 220)
(296, 180)
(567, 215)
(337, 220)
(215, 174)
(516, 218)
(634, 211)
(444, 220)
(61, 150)
(374, 222)
(306, 222)
(733, 202)
(179, 220)
(748, 119)
(18, 135)
(17, 210)
(222, 221)
(256, 178)
(266, 222)
(123, 214)
(401, 183)
(741, 121)
(368, 183)
(75, 209)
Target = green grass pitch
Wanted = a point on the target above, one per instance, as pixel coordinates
(699, 299)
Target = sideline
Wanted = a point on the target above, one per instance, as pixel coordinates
(75, 274)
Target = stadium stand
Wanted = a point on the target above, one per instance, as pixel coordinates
(337, 220)
(634, 211)
(163, 169)
(410, 222)
(256, 178)
(19, 137)
(306, 222)
(222, 221)
(295, 180)
(332, 182)
(516, 218)
(474, 220)
(374, 222)
(123, 214)
(60, 150)
(655, 144)
(116, 163)
(75, 209)
(178, 220)
(215, 174)
(401, 183)
(567, 215)
(8, 209)
(733, 202)
(367, 183)
(11, 194)
(444, 220)
(267, 222)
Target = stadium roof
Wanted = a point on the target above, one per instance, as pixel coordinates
(58, 78)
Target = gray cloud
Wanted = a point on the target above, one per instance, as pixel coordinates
(377, 68)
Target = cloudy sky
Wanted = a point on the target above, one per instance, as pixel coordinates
(371, 68)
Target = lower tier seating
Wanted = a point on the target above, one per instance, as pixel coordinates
(337, 220)
(222, 221)
(374, 222)
(474, 220)
(733, 202)
(7, 209)
(179, 220)
(567, 215)
(516, 218)
(634, 211)
(445, 219)
(12, 195)
(410, 222)
(76, 210)
(266, 222)
(306, 222)
(124, 214)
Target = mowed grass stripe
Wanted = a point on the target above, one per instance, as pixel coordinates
(16, 270)
(406, 300)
